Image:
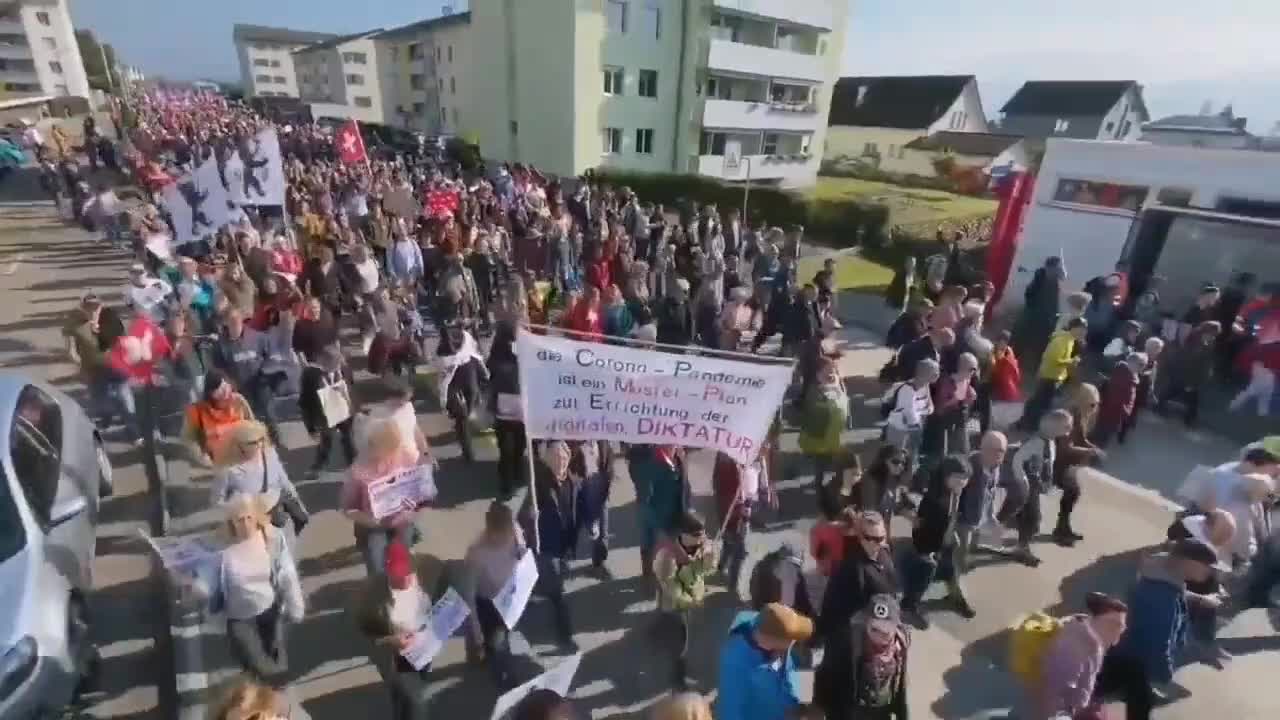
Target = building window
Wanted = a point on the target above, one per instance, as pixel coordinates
(21, 87)
(615, 15)
(275, 63)
(770, 144)
(453, 86)
(450, 53)
(56, 67)
(611, 139)
(712, 143)
(261, 62)
(1061, 125)
(444, 115)
(262, 78)
(613, 80)
(1101, 194)
(644, 141)
(415, 51)
(515, 128)
(440, 85)
(1125, 128)
(1175, 196)
(418, 81)
(43, 18)
(419, 108)
(50, 43)
(279, 80)
(61, 90)
(455, 116)
(648, 85)
(870, 149)
(363, 102)
(438, 53)
(354, 79)
(651, 20)
(355, 58)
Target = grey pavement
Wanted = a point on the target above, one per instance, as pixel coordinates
(955, 671)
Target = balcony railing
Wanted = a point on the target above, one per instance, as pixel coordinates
(734, 114)
(765, 61)
(810, 13)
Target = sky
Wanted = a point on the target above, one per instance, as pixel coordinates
(1184, 52)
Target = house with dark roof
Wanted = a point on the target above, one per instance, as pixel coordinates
(266, 57)
(1213, 130)
(1081, 109)
(873, 119)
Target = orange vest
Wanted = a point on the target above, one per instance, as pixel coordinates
(213, 425)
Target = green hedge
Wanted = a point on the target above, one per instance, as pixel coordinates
(847, 222)
(862, 171)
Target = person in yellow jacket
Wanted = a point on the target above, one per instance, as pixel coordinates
(1059, 359)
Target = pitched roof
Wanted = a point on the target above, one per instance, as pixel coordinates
(908, 102)
(263, 33)
(414, 28)
(1219, 123)
(963, 143)
(338, 40)
(1070, 97)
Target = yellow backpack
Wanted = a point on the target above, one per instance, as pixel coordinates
(1029, 639)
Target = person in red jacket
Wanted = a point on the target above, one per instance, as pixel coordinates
(586, 316)
(599, 271)
(1004, 384)
(1118, 398)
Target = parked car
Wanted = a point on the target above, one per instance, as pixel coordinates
(53, 472)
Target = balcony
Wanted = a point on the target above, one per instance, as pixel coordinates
(11, 26)
(738, 115)
(786, 170)
(736, 57)
(810, 13)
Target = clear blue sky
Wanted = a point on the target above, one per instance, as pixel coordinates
(1184, 51)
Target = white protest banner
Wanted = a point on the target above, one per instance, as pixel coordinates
(179, 211)
(558, 680)
(404, 490)
(263, 174)
(233, 176)
(191, 560)
(578, 390)
(214, 196)
(514, 595)
(436, 626)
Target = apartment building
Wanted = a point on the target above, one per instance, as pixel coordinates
(725, 88)
(426, 74)
(38, 51)
(340, 78)
(266, 58)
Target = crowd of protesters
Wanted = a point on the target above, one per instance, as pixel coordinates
(285, 305)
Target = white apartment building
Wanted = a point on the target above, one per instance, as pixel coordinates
(266, 58)
(340, 78)
(425, 74)
(38, 51)
(724, 88)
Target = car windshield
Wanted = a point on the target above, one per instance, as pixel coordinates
(12, 537)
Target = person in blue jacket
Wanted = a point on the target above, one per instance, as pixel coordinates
(1157, 628)
(758, 676)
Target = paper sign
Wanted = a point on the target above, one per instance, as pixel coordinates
(436, 626)
(577, 390)
(158, 245)
(514, 595)
(558, 680)
(182, 554)
(402, 491)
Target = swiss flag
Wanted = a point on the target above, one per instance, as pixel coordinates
(350, 144)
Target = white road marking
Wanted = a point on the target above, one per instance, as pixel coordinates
(13, 266)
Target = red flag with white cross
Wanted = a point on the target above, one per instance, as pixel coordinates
(350, 144)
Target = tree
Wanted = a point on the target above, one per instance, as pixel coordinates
(99, 60)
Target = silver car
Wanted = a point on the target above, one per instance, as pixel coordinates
(53, 470)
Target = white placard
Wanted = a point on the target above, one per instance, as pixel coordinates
(558, 680)
(182, 554)
(262, 177)
(209, 183)
(435, 627)
(511, 600)
(402, 491)
(158, 244)
(590, 391)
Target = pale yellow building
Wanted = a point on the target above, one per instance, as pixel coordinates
(726, 88)
(426, 71)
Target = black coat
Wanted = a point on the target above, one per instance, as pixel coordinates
(911, 354)
(852, 586)
(675, 322)
(313, 378)
(836, 681)
(934, 515)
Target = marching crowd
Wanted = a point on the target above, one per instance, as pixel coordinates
(365, 258)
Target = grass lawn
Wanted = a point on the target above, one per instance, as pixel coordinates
(852, 272)
(912, 208)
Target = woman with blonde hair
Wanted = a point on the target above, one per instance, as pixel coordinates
(383, 454)
(256, 585)
(250, 465)
(248, 700)
(682, 706)
(1074, 451)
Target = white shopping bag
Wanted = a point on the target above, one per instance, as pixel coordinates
(335, 402)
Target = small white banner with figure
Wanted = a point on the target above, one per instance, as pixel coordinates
(404, 491)
(558, 680)
(436, 626)
(511, 600)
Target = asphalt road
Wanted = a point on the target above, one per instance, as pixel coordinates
(45, 267)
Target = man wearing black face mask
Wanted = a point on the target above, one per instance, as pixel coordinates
(681, 565)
